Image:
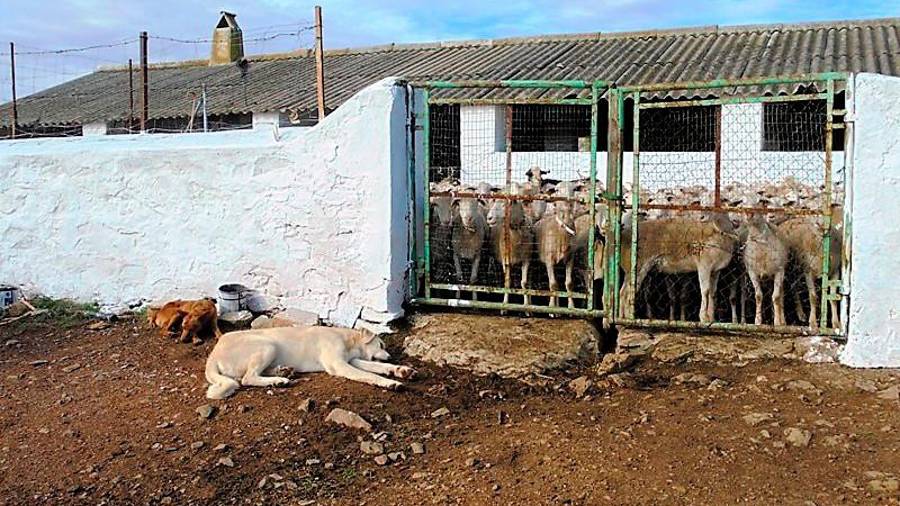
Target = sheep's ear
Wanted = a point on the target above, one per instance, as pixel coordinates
(543, 171)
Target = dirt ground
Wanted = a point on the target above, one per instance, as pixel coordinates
(108, 416)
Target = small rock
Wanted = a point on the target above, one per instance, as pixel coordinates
(371, 448)
(696, 379)
(440, 412)
(164, 425)
(295, 318)
(580, 386)
(261, 322)
(307, 405)
(754, 419)
(890, 394)
(381, 460)
(71, 368)
(237, 318)
(348, 419)
(243, 408)
(15, 309)
(798, 437)
(801, 386)
(196, 445)
(37, 363)
(615, 362)
(265, 479)
(156, 446)
(889, 485)
(417, 448)
(220, 447)
(225, 461)
(206, 411)
(329, 465)
(12, 342)
(717, 384)
(313, 462)
(98, 325)
(395, 456)
(866, 385)
(473, 462)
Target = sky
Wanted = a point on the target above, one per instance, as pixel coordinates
(283, 25)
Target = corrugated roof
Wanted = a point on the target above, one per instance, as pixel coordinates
(287, 82)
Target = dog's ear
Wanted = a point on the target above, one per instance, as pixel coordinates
(365, 336)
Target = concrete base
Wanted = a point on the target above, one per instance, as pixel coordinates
(506, 346)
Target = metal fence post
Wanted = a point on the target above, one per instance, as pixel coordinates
(12, 70)
(145, 84)
(426, 206)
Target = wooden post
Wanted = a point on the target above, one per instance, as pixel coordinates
(130, 96)
(15, 109)
(145, 85)
(320, 65)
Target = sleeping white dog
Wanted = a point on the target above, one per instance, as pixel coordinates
(241, 358)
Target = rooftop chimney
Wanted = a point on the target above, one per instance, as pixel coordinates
(227, 43)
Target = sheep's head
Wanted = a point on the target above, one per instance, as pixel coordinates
(469, 210)
(441, 206)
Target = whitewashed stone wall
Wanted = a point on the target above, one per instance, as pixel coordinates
(315, 218)
(874, 329)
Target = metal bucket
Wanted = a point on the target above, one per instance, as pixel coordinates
(233, 297)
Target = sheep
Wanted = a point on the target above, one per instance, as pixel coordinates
(512, 239)
(803, 237)
(467, 237)
(680, 245)
(765, 256)
(581, 240)
(555, 231)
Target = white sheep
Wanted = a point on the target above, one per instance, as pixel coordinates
(467, 237)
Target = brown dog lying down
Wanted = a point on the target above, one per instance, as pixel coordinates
(193, 315)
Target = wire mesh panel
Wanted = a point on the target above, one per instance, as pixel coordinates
(733, 214)
(513, 220)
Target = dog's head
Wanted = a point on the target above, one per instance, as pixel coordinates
(373, 347)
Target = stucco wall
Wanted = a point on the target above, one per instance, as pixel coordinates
(314, 217)
(874, 329)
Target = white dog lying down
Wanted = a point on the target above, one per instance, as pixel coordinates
(240, 358)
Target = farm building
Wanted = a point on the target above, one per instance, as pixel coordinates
(630, 130)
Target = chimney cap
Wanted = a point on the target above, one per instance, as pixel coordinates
(227, 20)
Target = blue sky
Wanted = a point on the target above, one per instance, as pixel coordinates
(36, 24)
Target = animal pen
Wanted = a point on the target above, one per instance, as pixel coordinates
(697, 205)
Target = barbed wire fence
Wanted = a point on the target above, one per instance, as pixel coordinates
(49, 103)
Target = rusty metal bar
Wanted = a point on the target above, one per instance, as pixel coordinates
(511, 101)
(576, 84)
(726, 326)
(717, 199)
(320, 66)
(733, 100)
(595, 98)
(145, 84)
(15, 108)
(739, 210)
(504, 290)
(504, 196)
(426, 206)
(723, 83)
(130, 96)
(529, 308)
(826, 212)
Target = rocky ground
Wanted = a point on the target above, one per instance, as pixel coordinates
(96, 414)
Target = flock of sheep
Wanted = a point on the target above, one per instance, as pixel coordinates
(549, 220)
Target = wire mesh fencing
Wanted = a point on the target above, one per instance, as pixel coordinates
(735, 214)
(510, 189)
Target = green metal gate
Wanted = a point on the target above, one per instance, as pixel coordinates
(474, 165)
(740, 183)
(687, 141)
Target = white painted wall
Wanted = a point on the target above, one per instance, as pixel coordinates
(97, 128)
(315, 218)
(483, 156)
(874, 327)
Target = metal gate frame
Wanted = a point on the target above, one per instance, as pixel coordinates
(614, 195)
(831, 289)
(423, 262)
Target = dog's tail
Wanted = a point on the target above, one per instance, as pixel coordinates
(220, 386)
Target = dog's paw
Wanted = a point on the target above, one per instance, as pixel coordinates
(393, 385)
(280, 382)
(404, 372)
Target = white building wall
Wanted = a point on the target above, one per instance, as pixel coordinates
(315, 218)
(483, 155)
(874, 327)
(98, 128)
